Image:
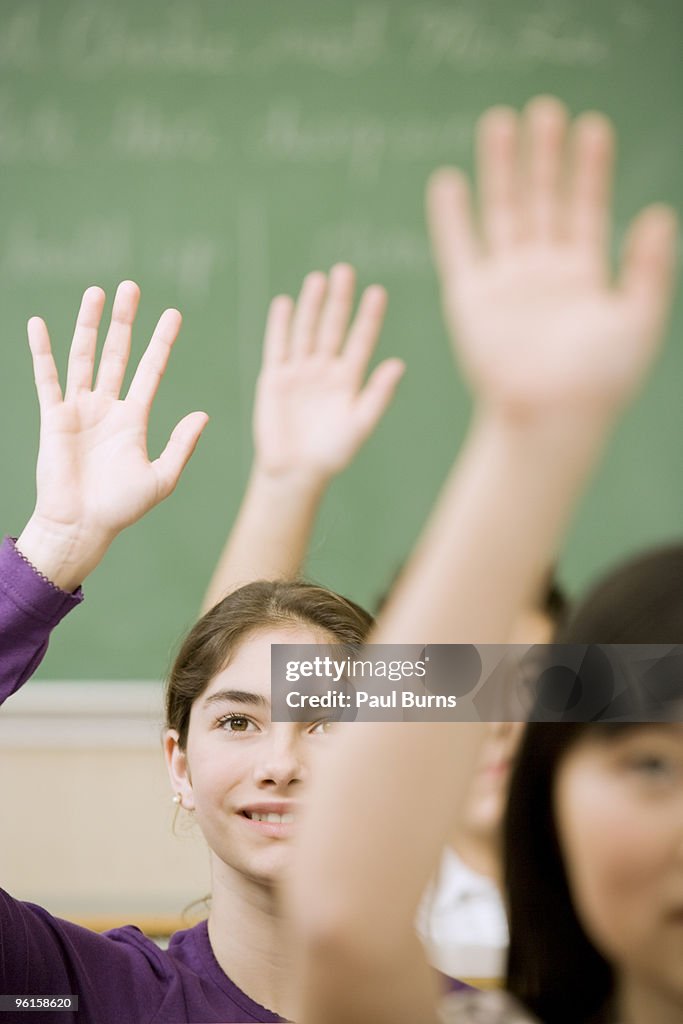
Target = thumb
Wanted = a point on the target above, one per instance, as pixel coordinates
(375, 397)
(648, 266)
(176, 454)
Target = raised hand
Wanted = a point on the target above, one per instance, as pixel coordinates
(311, 415)
(312, 410)
(535, 315)
(94, 476)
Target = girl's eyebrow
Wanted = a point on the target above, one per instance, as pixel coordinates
(627, 730)
(236, 697)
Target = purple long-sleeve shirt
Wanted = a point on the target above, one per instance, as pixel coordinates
(121, 976)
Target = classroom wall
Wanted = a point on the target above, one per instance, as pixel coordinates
(216, 152)
(87, 813)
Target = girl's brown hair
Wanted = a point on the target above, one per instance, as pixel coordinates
(214, 640)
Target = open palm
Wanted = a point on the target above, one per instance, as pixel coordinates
(94, 476)
(534, 313)
(312, 410)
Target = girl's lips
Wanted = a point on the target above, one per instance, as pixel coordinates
(273, 828)
(270, 814)
(497, 768)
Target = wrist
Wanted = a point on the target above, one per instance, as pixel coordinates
(544, 429)
(303, 482)
(64, 554)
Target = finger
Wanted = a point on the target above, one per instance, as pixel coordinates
(178, 451)
(590, 185)
(44, 370)
(498, 177)
(334, 320)
(152, 366)
(307, 313)
(545, 129)
(82, 354)
(449, 219)
(648, 266)
(375, 397)
(277, 330)
(365, 330)
(116, 348)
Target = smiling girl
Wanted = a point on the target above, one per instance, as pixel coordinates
(242, 776)
(238, 773)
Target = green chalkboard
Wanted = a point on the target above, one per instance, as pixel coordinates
(215, 152)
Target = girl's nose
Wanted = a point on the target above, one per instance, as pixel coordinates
(281, 761)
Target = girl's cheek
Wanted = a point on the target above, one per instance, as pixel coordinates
(614, 846)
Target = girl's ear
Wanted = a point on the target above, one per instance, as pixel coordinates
(178, 769)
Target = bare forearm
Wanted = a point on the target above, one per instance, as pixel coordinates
(399, 785)
(371, 768)
(498, 521)
(271, 534)
(497, 525)
(360, 988)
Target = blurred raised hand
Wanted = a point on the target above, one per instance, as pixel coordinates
(313, 411)
(94, 476)
(536, 316)
(553, 347)
(313, 408)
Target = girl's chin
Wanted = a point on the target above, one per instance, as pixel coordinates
(486, 817)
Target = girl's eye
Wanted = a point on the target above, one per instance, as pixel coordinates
(653, 766)
(325, 725)
(235, 723)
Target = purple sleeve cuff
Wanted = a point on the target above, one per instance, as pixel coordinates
(29, 590)
(30, 607)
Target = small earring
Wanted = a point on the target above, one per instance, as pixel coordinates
(177, 799)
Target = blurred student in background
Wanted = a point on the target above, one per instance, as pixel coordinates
(462, 919)
(238, 773)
